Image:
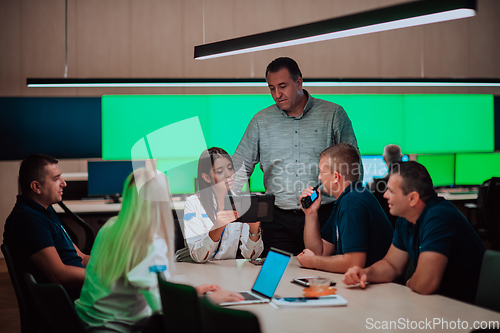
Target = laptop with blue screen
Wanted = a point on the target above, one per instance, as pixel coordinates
(268, 279)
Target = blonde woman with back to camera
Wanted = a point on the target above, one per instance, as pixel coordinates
(120, 292)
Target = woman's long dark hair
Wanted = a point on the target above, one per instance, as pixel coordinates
(205, 192)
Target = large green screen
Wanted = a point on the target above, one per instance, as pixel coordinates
(474, 169)
(436, 124)
(174, 129)
(441, 168)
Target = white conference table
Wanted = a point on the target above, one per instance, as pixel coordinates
(378, 302)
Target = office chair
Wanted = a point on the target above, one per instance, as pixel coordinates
(178, 234)
(217, 319)
(30, 316)
(181, 309)
(488, 212)
(488, 289)
(378, 190)
(55, 305)
(89, 233)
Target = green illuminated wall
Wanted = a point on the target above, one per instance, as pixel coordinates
(441, 168)
(420, 124)
(474, 169)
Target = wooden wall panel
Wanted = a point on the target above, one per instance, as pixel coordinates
(219, 21)
(484, 40)
(156, 34)
(103, 38)
(155, 38)
(43, 43)
(8, 183)
(446, 50)
(10, 44)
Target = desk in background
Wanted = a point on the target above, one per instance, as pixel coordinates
(100, 206)
(379, 302)
(458, 196)
(96, 212)
(464, 199)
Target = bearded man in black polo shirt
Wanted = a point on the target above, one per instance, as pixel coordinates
(432, 234)
(33, 232)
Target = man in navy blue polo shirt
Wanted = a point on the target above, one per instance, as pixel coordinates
(358, 231)
(432, 234)
(34, 233)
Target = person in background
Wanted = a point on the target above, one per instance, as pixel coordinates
(209, 228)
(286, 138)
(432, 234)
(358, 232)
(391, 155)
(33, 232)
(120, 292)
(378, 186)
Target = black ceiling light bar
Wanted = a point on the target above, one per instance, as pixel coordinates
(253, 82)
(382, 19)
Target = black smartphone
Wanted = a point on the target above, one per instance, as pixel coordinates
(304, 281)
(307, 201)
(258, 261)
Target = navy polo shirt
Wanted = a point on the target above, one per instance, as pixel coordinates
(31, 228)
(359, 224)
(442, 228)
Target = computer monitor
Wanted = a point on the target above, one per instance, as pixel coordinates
(373, 166)
(106, 178)
(441, 168)
(474, 169)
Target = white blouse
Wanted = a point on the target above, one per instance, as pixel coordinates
(197, 225)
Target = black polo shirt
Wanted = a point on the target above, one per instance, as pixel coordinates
(359, 224)
(442, 228)
(31, 228)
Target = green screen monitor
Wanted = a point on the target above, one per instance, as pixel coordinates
(475, 169)
(257, 180)
(441, 168)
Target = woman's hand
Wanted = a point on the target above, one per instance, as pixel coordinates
(224, 217)
(221, 296)
(254, 229)
(205, 288)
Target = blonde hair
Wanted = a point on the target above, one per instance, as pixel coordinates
(145, 212)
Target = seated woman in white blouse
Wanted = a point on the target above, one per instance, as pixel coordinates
(209, 230)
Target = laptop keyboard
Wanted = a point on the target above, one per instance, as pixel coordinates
(249, 297)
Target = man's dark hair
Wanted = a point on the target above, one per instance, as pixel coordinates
(415, 178)
(33, 168)
(284, 62)
(344, 159)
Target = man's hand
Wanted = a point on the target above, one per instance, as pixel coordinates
(306, 258)
(49, 262)
(315, 205)
(355, 275)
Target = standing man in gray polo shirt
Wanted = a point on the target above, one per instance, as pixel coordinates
(287, 138)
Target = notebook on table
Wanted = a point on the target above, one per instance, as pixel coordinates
(268, 279)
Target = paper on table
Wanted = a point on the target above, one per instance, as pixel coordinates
(294, 302)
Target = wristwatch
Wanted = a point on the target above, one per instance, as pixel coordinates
(257, 234)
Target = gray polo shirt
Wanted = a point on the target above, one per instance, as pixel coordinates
(288, 148)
